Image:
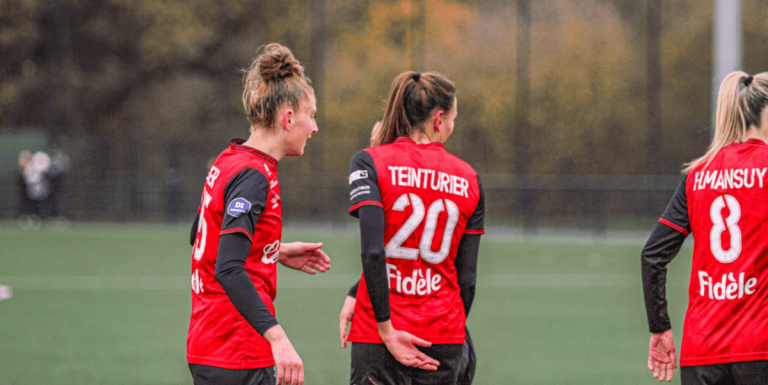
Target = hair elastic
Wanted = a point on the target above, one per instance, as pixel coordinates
(416, 77)
(748, 80)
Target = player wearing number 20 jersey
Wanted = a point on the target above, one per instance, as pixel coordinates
(723, 203)
(430, 199)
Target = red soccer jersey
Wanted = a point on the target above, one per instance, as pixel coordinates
(430, 199)
(218, 335)
(727, 202)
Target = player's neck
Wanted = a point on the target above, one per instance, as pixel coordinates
(758, 133)
(421, 137)
(267, 141)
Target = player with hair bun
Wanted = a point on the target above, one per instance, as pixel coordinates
(421, 213)
(234, 337)
(721, 201)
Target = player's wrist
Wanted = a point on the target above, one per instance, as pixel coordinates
(275, 335)
(385, 328)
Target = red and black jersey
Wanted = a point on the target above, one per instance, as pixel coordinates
(241, 195)
(430, 200)
(725, 207)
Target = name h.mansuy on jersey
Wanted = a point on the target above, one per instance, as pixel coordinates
(729, 178)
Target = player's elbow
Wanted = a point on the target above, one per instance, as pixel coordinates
(374, 256)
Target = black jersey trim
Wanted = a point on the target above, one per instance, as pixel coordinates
(237, 145)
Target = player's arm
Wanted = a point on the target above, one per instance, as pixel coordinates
(347, 310)
(466, 256)
(662, 246)
(193, 231)
(250, 188)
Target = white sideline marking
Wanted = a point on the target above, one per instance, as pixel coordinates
(319, 281)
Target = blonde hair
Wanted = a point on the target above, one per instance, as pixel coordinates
(736, 112)
(274, 78)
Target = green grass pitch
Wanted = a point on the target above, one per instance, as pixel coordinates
(109, 304)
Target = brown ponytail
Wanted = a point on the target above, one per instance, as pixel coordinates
(736, 112)
(414, 97)
(274, 78)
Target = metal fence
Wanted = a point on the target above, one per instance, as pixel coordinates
(598, 202)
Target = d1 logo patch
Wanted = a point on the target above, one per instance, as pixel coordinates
(238, 206)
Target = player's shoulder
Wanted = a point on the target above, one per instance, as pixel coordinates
(461, 164)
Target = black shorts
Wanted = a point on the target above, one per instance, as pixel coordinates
(373, 364)
(732, 373)
(211, 375)
(468, 362)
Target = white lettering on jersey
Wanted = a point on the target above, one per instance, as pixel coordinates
(212, 175)
(419, 283)
(359, 174)
(727, 287)
(360, 190)
(197, 283)
(731, 178)
(426, 178)
(271, 252)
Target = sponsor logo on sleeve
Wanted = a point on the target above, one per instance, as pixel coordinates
(238, 206)
(271, 252)
(359, 174)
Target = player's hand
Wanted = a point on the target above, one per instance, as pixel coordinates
(662, 358)
(306, 257)
(290, 369)
(345, 318)
(401, 345)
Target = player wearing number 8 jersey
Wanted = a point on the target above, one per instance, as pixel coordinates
(722, 202)
(421, 215)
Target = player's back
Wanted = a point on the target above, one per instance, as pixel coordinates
(428, 196)
(728, 211)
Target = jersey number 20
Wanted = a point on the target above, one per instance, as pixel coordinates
(718, 226)
(394, 248)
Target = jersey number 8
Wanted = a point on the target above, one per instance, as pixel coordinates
(394, 248)
(730, 224)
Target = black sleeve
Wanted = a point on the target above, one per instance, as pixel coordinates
(363, 183)
(353, 290)
(476, 222)
(662, 246)
(245, 197)
(231, 275)
(676, 213)
(375, 260)
(466, 268)
(193, 231)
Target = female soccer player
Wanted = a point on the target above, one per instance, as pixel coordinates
(234, 337)
(722, 202)
(421, 214)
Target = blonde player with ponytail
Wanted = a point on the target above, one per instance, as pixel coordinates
(723, 202)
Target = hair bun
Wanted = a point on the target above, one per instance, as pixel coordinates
(277, 63)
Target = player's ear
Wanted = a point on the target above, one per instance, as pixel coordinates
(287, 119)
(438, 120)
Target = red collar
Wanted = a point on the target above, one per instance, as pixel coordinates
(237, 145)
(755, 141)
